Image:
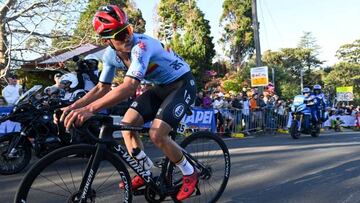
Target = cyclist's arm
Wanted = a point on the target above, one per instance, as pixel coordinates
(140, 57)
(115, 96)
(95, 93)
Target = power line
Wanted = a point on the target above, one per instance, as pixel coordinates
(273, 21)
(264, 25)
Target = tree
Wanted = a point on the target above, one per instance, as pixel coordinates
(238, 36)
(349, 52)
(27, 27)
(84, 32)
(344, 74)
(191, 34)
(308, 41)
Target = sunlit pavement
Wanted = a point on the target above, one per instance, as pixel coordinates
(276, 168)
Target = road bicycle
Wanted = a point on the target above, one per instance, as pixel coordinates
(85, 173)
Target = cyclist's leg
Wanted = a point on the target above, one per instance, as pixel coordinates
(179, 97)
(159, 134)
(142, 110)
(132, 118)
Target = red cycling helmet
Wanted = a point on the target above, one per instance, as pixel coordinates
(108, 20)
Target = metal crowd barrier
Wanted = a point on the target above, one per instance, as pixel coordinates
(247, 121)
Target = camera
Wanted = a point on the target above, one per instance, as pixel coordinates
(84, 65)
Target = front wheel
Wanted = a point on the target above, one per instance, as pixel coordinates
(58, 175)
(17, 159)
(294, 129)
(212, 154)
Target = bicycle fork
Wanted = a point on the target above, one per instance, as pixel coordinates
(89, 175)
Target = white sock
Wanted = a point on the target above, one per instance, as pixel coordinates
(185, 167)
(144, 160)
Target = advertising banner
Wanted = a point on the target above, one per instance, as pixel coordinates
(200, 118)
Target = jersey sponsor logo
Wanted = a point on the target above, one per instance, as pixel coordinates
(179, 110)
(142, 45)
(137, 74)
(136, 53)
(192, 82)
(134, 104)
(176, 65)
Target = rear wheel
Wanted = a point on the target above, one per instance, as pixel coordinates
(315, 131)
(210, 151)
(57, 178)
(18, 159)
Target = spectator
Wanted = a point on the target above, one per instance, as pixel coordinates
(199, 99)
(254, 103)
(217, 105)
(255, 110)
(12, 91)
(207, 101)
(2, 101)
(227, 115)
(246, 112)
(236, 102)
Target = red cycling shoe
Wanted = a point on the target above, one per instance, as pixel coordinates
(136, 183)
(188, 186)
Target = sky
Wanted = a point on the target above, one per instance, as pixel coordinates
(283, 22)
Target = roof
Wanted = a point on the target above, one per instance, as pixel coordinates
(55, 61)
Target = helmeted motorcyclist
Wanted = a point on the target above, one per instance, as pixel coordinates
(69, 83)
(311, 103)
(321, 102)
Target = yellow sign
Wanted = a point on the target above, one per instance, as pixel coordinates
(259, 76)
(344, 89)
(344, 94)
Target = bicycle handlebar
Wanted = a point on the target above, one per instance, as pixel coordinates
(107, 128)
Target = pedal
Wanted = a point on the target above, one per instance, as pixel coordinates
(140, 192)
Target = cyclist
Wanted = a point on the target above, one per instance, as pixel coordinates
(142, 57)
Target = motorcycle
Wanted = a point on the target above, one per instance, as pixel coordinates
(302, 120)
(38, 132)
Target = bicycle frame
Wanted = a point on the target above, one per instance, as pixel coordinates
(105, 143)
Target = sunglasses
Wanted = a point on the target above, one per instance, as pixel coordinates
(122, 34)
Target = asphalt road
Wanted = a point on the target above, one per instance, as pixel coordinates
(276, 168)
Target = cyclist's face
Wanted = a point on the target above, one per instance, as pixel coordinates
(121, 41)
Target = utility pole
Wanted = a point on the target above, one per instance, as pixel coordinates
(255, 25)
(301, 79)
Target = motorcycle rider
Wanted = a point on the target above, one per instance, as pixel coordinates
(311, 103)
(321, 102)
(69, 83)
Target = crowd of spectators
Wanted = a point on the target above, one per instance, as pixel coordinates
(249, 109)
(244, 109)
(343, 109)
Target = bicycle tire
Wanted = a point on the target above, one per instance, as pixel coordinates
(73, 152)
(207, 137)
